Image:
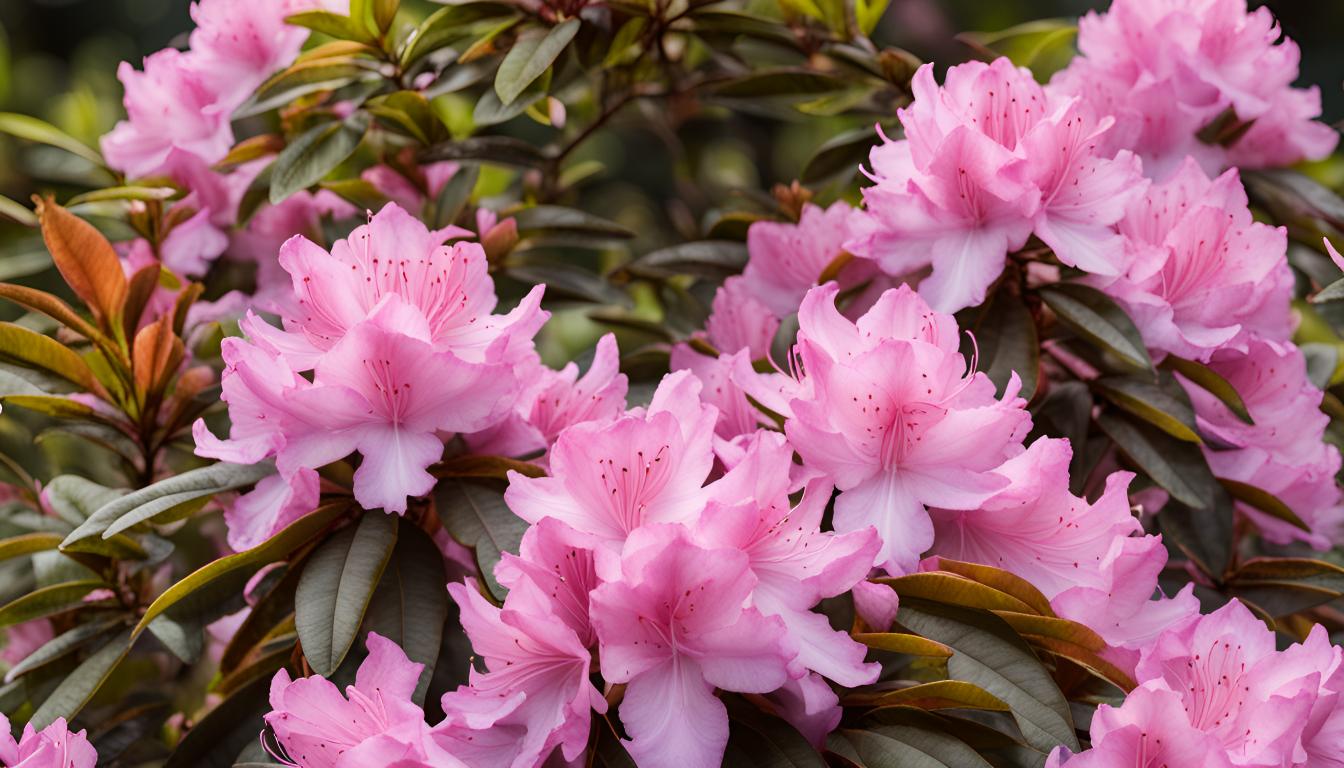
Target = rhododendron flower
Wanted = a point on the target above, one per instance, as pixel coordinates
(897, 421)
(52, 747)
(989, 158)
(738, 320)
(397, 255)
(1284, 451)
(673, 628)
(786, 259)
(1234, 685)
(1205, 275)
(1166, 70)
(809, 705)
(374, 723)
(738, 418)
(271, 506)
(554, 560)
(649, 466)
(536, 679)
(22, 639)
(413, 194)
(259, 242)
(553, 401)
(1150, 730)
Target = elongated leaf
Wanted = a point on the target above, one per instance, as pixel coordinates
(449, 25)
(956, 590)
(48, 600)
(1166, 408)
(506, 150)
(1100, 320)
(787, 81)
(337, 583)
(332, 24)
(1209, 380)
(989, 654)
(1176, 465)
(80, 685)
(531, 55)
(1004, 581)
(710, 258)
(476, 516)
(32, 129)
(1331, 292)
(455, 194)
(216, 740)
(542, 219)
(240, 567)
(842, 155)
(1004, 334)
(63, 644)
(757, 740)
(1090, 660)
(1204, 533)
(193, 484)
(940, 694)
(315, 154)
(1263, 501)
(27, 544)
(85, 259)
(17, 212)
(900, 642)
(74, 498)
(51, 306)
(46, 354)
(897, 746)
(410, 605)
(123, 193)
(1045, 46)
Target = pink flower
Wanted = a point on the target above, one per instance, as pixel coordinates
(169, 105)
(738, 320)
(255, 384)
(52, 747)
(537, 678)
(396, 255)
(673, 628)
(809, 705)
(374, 723)
(897, 421)
(1205, 275)
(554, 560)
(552, 401)
(22, 639)
(785, 260)
(988, 158)
(1166, 70)
(1235, 686)
(796, 565)
(412, 194)
(270, 507)
(259, 242)
(646, 467)
(738, 418)
(1284, 451)
(1149, 730)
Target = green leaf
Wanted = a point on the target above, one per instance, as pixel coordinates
(216, 739)
(1004, 334)
(238, 568)
(337, 583)
(448, 26)
(78, 687)
(547, 219)
(989, 654)
(301, 79)
(1203, 533)
(123, 193)
(63, 644)
(1165, 407)
(782, 82)
(568, 281)
(1044, 46)
(360, 193)
(1263, 501)
(716, 259)
(954, 590)
(758, 740)
(901, 642)
(1176, 465)
(903, 746)
(74, 498)
(316, 153)
(1331, 292)
(868, 13)
(455, 194)
(47, 601)
(505, 150)
(51, 306)
(1094, 316)
(1210, 381)
(841, 155)
(32, 129)
(410, 112)
(384, 13)
(476, 516)
(1001, 580)
(531, 55)
(34, 350)
(940, 694)
(332, 25)
(28, 543)
(18, 212)
(1286, 585)
(410, 604)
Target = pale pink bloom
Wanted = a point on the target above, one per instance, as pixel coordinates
(374, 723)
(555, 560)
(809, 705)
(1234, 684)
(259, 242)
(396, 255)
(786, 259)
(52, 747)
(897, 421)
(989, 158)
(385, 391)
(1205, 274)
(237, 44)
(552, 401)
(169, 105)
(22, 639)
(737, 416)
(192, 245)
(673, 628)
(796, 565)
(1284, 451)
(256, 385)
(738, 320)
(412, 194)
(1167, 69)
(1150, 730)
(648, 466)
(536, 678)
(271, 506)
(876, 604)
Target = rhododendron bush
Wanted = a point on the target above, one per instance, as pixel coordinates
(357, 425)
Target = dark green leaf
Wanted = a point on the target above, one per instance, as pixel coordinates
(455, 194)
(301, 79)
(1263, 501)
(337, 583)
(65, 643)
(221, 735)
(988, 653)
(1331, 292)
(1287, 585)
(332, 25)
(1165, 407)
(450, 25)
(1093, 315)
(1044, 46)
(495, 149)
(410, 605)
(567, 281)
(316, 153)
(32, 129)
(79, 686)
(1177, 466)
(789, 81)
(1209, 380)
(542, 219)
(903, 746)
(1004, 334)
(532, 54)
(715, 259)
(48, 600)
(476, 516)
(1203, 533)
(757, 740)
(842, 154)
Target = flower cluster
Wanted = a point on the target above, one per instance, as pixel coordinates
(52, 747)
(1208, 80)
